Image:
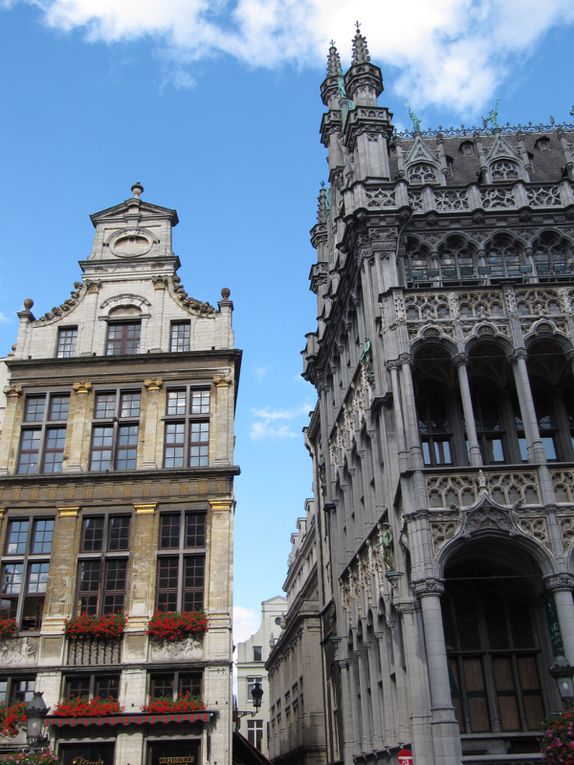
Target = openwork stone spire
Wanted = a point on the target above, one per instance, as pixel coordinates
(322, 205)
(360, 51)
(333, 61)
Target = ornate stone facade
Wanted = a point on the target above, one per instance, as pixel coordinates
(443, 452)
(116, 489)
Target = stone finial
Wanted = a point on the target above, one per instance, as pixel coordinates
(333, 61)
(137, 189)
(28, 303)
(360, 49)
(225, 293)
(322, 205)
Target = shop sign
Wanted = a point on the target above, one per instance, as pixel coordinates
(93, 753)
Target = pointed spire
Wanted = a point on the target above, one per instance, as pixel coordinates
(360, 50)
(333, 61)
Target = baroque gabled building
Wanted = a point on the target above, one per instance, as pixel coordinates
(116, 496)
(443, 436)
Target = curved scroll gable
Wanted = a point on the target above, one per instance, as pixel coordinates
(56, 313)
(191, 305)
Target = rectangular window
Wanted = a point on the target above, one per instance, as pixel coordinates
(101, 581)
(14, 689)
(257, 650)
(187, 428)
(43, 434)
(67, 339)
(123, 338)
(255, 733)
(24, 570)
(173, 685)
(181, 561)
(115, 430)
(180, 336)
(88, 686)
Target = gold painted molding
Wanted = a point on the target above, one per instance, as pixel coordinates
(222, 382)
(153, 383)
(221, 505)
(82, 388)
(147, 509)
(68, 512)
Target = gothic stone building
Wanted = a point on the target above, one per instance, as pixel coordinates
(116, 489)
(444, 455)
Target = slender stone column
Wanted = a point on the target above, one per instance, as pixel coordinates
(526, 403)
(221, 441)
(393, 367)
(347, 699)
(151, 449)
(366, 712)
(561, 586)
(12, 417)
(62, 570)
(140, 603)
(445, 729)
(410, 410)
(461, 362)
(77, 455)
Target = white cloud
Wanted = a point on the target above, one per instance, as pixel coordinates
(4, 319)
(270, 423)
(451, 53)
(260, 373)
(245, 623)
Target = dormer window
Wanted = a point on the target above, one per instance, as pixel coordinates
(504, 170)
(421, 173)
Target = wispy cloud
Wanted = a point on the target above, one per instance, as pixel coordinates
(245, 623)
(277, 423)
(4, 319)
(452, 53)
(260, 373)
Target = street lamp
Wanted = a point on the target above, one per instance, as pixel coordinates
(36, 711)
(256, 696)
(561, 671)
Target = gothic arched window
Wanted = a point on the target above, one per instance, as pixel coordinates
(504, 257)
(493, 647)
(504, 170)
(421, 172)
(418, 265)
(457, 260)
(552, 256)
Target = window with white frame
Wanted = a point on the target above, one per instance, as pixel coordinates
(180, 333)
(43, 433)
(115, 430)
(67, 339)
(25, 565)
(187, 427)
(255, 733)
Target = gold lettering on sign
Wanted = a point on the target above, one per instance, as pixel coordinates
(84, 761)
(184, 759)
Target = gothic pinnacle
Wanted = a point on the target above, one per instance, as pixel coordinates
(360, 50)
(333, 61)
(322, 204)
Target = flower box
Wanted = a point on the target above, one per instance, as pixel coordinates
(85, 625)
(12, 718)
(44, 757)
(84, 707)
(175, 625)
(185, 703)
(557, 743)
(7, 627)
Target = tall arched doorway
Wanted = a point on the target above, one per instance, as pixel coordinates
(497, 646)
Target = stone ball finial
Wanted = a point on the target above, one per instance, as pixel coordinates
(137, 189)
(28, 303)
(225, 293)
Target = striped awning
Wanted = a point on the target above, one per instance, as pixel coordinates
(132, 719)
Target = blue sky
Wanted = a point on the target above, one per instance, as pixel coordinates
(215, 108)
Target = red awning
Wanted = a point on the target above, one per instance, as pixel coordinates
(136, 718)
